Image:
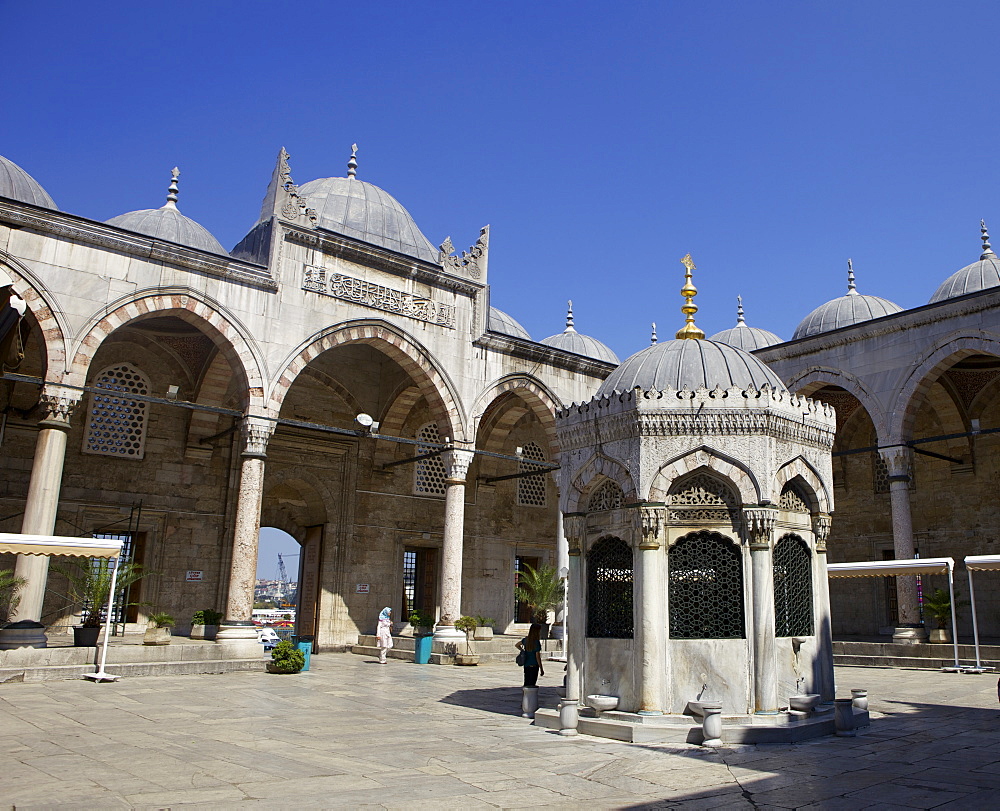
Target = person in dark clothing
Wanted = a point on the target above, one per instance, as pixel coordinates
(532, 647)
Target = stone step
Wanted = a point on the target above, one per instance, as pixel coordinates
(923, 655)
(498, 649)
(10, 675)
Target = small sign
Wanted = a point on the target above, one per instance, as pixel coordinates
(195, 577)
(362, 588)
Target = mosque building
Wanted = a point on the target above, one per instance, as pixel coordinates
(338, 377)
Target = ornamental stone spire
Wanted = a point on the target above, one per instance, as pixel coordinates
(172, 191)
(987, 250)
(852, 289)
(352, 164)
(739, 311)
(569, 318)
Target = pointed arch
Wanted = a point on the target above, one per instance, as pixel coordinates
(419, 364)
(813, 482)
(811, 380)
(539, 398)
(704, 457)
(597, 469)
(51, 321)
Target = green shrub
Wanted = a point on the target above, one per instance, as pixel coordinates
(207, 616)
(286, 658)
(160, 620)
(419, 618)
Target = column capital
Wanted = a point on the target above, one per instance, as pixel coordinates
(573, 528)
(58, 404)
(256, 434)
(898, 462)
(821, 524)
(652, 521)
(456, 462)
(759, 523)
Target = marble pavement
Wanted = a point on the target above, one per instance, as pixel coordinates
(353, 734)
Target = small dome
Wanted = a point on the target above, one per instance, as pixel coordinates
(743, 337)
(975, 277)
(505, 325)
(845, 311)
(353, 208)
(579, 344)
(169, 224)
(16, 184)
(690, 363)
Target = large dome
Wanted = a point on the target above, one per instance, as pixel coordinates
(690, 363)
(975, 277)
(743, 337)
(169, 224)
(16, 184)
(348, 206)
(505, 325)
(569, 340)
(845, 311)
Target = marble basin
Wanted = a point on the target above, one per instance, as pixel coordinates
(602, 703)
(804, 703)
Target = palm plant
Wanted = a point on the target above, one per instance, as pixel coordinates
(10, 588)
(90, 586)
(541, 589)
(938, 607)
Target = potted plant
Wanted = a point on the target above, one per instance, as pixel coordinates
(422, 621)
(468, 626)
(158, 627)
(286, 658)
(205, 623)
(938, 607)
(10, 594)
(90, 587)
(423, 641)
(542, 590)
(484, 628)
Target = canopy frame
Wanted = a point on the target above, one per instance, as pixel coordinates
(981, 563)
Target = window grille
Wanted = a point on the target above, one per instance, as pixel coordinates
(793, 500)
(116, 424)
(607, 496)
(429, 475)
(531, 489)
(609, 590)
(409, 582)
(793, 615)
(702, 498)
(705, 578)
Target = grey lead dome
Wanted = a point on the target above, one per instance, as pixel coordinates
(845, 311)
(363, 211)
(505, 325)
(170, 225)
(746, 338)
(16, 184)
(690, 363)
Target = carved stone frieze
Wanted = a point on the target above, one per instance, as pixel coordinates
(759, 523)
(471, 262)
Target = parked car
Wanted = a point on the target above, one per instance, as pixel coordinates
(268, 638)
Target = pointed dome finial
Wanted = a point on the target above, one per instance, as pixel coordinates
(352, 164)
(569, 318)
(987, 250)
(739, 311)
(652, 338)
(172, 191)
(689, 308)
(852, 289)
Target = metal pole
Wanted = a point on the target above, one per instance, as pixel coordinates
(954, 622)
(975, 623)
(100, 674)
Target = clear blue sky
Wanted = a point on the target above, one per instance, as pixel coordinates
(601, 141)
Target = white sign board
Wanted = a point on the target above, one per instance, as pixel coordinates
(362, 588)
(195, 577)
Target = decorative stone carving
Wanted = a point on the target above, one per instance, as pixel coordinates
(256, 433)
(821, 529)
(759, 524)
(791, 500)
(898, 461)
(58, 405)
(702, 498)
(652, 521)
(607, 496)
(457, 463)
(472, 262)
(295, 205)
(573, 528)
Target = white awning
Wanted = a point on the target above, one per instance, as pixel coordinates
(982, 563)
(891, 568)
(60, 545)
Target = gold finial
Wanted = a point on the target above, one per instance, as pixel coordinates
(689, 291)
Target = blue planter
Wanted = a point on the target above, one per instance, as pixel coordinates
(422, 649)
(305, 645)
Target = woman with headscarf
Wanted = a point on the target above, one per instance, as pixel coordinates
(383, 634)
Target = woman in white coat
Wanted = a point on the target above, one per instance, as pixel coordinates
(383, 635)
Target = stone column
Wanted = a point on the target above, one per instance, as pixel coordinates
(899, 462)
(574, 525)
(457, 463)
(649, 562)
(821, 524)
(58, 405)
(759, 523)
(238, 628)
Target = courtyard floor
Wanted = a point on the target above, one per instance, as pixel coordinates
(353, 734)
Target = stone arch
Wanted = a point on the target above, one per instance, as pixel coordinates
(799, 467)
(316, 507)
(233, 340)
(540, 399)
(432, 380)
(811, 380)
(738, 475)
(598, 468)
(51, 321)
(948, 350)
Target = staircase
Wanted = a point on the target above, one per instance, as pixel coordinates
(925, 655)
(499, 649)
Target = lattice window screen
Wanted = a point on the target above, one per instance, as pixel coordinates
(607, 496)
(792, 500)
(609, 590)
(702, 498)
(531, 489)
(706, 588)
(793, 615)
(116, 424)
(429, 474)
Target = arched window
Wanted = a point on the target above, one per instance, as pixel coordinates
(706, 588)
(793, 615)
(609, 590)
(607, 496)
(793, 499)
(116, 423)
(702, 497)
(531, 489)
(429, 475)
